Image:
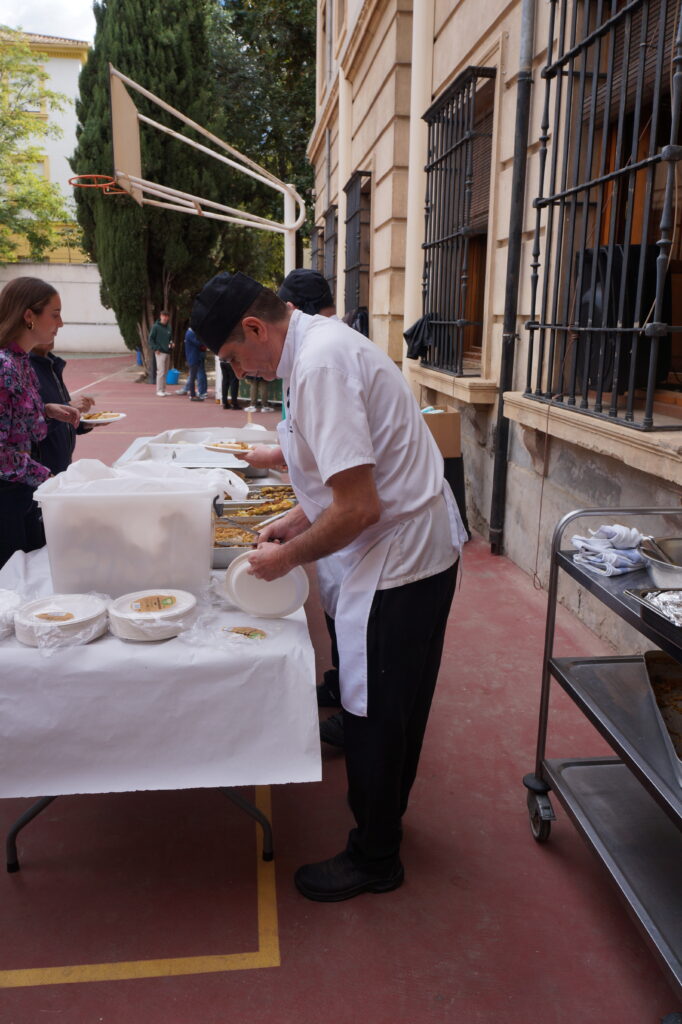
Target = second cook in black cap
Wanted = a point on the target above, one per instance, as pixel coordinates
(308, 291)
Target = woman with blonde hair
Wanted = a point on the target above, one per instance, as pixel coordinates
(30, 314)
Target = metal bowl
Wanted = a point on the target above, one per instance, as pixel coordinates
(666, 575)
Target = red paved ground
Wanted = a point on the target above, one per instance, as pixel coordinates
(489, 927)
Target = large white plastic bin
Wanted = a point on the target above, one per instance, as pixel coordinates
(116, 535)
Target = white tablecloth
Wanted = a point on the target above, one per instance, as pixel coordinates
(114, 716)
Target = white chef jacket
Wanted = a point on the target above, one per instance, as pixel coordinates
(349, 405)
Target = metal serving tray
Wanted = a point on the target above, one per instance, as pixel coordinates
(653, 617)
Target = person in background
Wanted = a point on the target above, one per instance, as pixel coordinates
(229, 383)
(30, 315)
(378, 517)
(161, 344)
(56, 449)
(258, 399)
(308, 291)
(195, 357)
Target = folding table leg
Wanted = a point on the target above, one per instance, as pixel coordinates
(253, 812)
(11, 845)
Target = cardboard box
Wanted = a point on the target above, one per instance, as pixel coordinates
(446, 428)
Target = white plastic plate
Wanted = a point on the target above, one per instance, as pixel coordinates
(101, 421)
(267, 599)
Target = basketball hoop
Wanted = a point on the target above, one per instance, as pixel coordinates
(107, 185)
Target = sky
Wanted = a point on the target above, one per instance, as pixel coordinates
(70, 19)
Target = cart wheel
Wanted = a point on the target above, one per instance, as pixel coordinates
(540, 827)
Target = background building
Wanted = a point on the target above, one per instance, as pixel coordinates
(88, 326)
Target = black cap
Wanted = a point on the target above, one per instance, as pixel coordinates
(307, 290)
(220, 305)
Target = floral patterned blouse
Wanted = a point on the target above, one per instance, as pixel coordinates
(22, 418)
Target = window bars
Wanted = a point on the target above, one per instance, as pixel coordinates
(330, 246)
(606, 244)
(316, 248)
(356, 290)
(457, 194)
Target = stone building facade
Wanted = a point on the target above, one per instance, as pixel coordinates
(531, 246)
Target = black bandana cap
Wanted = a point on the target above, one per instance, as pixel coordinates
(220, 305)
(307, 290)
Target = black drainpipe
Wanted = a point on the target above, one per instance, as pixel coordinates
(501, 444)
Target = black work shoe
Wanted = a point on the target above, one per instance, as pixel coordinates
(340, 879)
(331, 730)
(328, 695)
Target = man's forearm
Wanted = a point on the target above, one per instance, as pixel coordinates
(330, 532)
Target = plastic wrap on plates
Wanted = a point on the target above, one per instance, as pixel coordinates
(149, 615)
(61, 620)
(667, 603)
(229, 629)
(10, 601)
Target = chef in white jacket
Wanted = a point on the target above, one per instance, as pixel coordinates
(378, 518)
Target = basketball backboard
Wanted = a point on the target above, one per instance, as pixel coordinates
(125, 132)
(126, 120)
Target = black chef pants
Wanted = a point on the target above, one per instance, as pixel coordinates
(405, 635)
(21, 524)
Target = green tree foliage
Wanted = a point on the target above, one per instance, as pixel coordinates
(149, 258)
(31, 208)
(264, 56)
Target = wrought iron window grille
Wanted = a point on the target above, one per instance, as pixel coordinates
(316, 248)
(330, 247)
(456, 220)
(356, 290)
(606, 253)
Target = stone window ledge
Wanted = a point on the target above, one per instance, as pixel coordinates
(656, 452)
(473, 390)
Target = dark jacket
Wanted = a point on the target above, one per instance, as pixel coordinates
(56, 449)
(195, 351)
(160, 337)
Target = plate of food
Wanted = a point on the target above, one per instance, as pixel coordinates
(99, 419)
(231, 446)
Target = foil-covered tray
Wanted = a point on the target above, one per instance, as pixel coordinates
(662, 609)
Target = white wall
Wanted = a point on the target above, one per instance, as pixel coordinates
(88, 326)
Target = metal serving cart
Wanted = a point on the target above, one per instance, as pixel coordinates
(628, 808)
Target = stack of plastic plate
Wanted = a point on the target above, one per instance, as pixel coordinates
(268, 599)
(9, 602)
(61, 619)
(152, 614)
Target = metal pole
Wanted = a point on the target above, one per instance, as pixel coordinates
(289, 234)
(523, 88)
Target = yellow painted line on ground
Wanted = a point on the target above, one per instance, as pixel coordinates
(267, 954)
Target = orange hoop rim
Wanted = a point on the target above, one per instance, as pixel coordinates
(105, 182)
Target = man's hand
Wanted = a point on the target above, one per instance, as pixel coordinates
(63, 413)
(264, 456)
(270, 561)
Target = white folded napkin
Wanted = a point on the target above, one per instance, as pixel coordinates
(610, 550)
